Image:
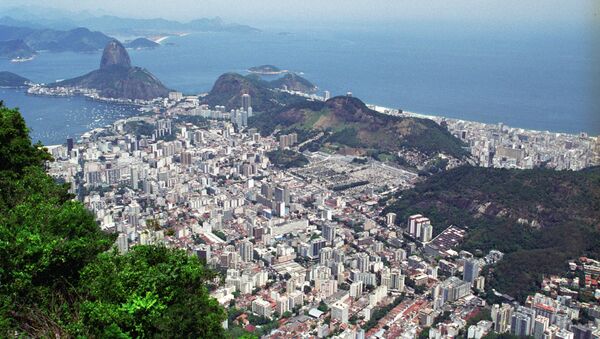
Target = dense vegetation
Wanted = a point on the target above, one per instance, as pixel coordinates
(540, 218)
(60, 277)
(287, 158)
(138, 127)
(348, 122)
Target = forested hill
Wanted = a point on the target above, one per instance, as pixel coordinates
(540, 218)
(60, 276)
(349, 122)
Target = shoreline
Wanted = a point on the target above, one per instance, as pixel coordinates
(380, 109)
(268, 73)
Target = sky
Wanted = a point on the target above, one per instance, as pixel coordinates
(265, 12)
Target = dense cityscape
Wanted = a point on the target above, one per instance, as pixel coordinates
(306, 251)
(167, 173)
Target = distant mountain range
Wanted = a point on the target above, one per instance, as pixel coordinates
(15, 49)
(25, 40)
(117, 78)
(23, 31)
(62, 20)
(8, 79)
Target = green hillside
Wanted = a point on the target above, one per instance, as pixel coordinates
(349, 122)
(61, 276)
(540, 218)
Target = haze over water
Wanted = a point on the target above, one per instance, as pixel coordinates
(542, 80)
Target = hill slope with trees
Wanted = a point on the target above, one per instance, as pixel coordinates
(351, 123)
(539, 218)
(60, 274)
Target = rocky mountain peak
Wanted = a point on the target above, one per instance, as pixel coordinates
(115, 55)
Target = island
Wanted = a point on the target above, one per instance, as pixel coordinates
(266, 70)
(142, 43)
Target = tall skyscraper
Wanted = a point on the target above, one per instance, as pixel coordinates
(540, 326)
(522, 321)
(122, 243)
(471, 270)
(329, 232)
(327, 95)
(363, 262)
(69, 146)
(246, 102)
(390, 219)
(339, 312)
(246, 251)
(501, 317)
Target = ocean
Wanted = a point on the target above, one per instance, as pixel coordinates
(534, 79)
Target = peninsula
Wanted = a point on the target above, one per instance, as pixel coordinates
(115, 79)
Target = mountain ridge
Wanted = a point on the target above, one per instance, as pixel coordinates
(79, 39)
(9, 79)
(539, 218)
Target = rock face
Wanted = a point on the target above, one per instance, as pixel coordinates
(117, 79)
(115, 55)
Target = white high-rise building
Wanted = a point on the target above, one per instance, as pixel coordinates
(339, 312)
(122, 243)
(246, 251)
(262, 307)
(246, 102)
(390, 219)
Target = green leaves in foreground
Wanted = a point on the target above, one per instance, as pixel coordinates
(149, 292)
(57, 278)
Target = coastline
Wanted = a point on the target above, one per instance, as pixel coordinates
(91, 94)
(283, 71)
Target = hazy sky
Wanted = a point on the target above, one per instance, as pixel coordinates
(265, 11)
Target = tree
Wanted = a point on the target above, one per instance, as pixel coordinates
(150, 291)
(323, 306)
(57, 278)
(45, 238)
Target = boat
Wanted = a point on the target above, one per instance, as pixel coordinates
(19, 59)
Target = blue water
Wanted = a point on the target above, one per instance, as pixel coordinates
(536, 79)
(52, 119)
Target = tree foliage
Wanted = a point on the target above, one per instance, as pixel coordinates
(498, 207)
(57, 278)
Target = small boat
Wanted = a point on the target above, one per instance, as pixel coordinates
(21, 59)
